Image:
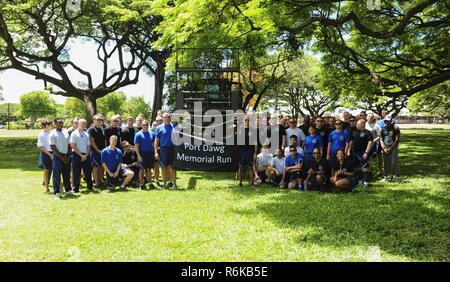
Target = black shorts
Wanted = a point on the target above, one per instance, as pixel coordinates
(45, 162)
(314, 184)
(293, 176)
(262, 175)
(167, 156)
(148, 160)
(246, 156)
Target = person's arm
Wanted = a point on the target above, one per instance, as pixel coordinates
(283, 142)
(107, 169)
(57, 153)
(45, 151)
(156, 148)
(328, 150)
(75, 149)
(397, 139)
(136, 148)
(119, 166)
(368, 149)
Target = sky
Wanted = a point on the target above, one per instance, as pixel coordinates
(84, 54)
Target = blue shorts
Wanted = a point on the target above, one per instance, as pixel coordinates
(45, 162)
(96, 158)
(148, 160)
(314, 184)
(246, 157)
(166, 156)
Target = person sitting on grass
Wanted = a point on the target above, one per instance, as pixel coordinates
(343, 173)
(45, 154)
(293, 168)
(262, 164)
(276, 169)
(318, 171)
(111, 160)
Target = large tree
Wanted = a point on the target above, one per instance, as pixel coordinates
(35, 38)
(36, 104)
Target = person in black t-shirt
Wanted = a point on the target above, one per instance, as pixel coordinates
(343, 173)
(114, 129)
(247, 151)
(306, 124)
(98, 143)
(318, 171)
(129, 131)
(130, 160)
(361, 143)
(280, 131)
(323, 132)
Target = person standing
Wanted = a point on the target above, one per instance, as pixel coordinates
(165, 151)
(306, 124)
(312, 142)
(156, 169)
(390, 138)
(323, 132)
(361, 143)
(114, 129)
(98, 143)
(74, 126)
(128, 131)
(339, 139)
(59, 143)
(111, 160)
(45, 154)
(81, 146)
(145, 151)
(375, 129)
(247, 151)
(294, 130)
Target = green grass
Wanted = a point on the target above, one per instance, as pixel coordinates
(213, 220)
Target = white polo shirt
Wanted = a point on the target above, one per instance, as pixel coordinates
(44, 140)
(60, 139)
(81, 139)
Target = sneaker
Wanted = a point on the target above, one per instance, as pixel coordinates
(366, 185)
(385, 179)
(398, 180)
(122, 188)
(151, 186)
(174, 187)
(141, 187)
(70, 193)
(157, 183)
(57, 196)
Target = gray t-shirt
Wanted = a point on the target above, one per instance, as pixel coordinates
(263, 160)
(81, 139)
(278, 163)
(60, 139)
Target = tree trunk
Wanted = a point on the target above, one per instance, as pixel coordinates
(91, 107)
(160, 76)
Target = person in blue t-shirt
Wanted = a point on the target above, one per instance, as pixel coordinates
(293, 169)
(312, 141)
(111, 160)
(165, 150)
(143, 143)
(339, 139)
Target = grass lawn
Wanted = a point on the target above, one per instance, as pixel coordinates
(214, 220)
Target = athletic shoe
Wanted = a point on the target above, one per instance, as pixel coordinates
(398, 180)
(366, 185)
(141, 187)
(151, 186)
(122, 188)
(385, 179)
(174, 187)
(70, 193)
(157, 183)
(57, 196)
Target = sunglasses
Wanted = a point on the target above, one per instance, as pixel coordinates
(338, 123)
(316, 153)
(352, 120)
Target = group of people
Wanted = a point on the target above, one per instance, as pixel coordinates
(323, 152)
(126, 153)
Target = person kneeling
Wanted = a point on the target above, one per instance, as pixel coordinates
(276, 169)
(294, 164)
(262, 164)
(343, 175)
(111, 160)
(318, 171)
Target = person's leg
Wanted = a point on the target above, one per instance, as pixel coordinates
(342, 184)
(396, 163)
(173, 175)
(76, 171)
(127, 175)
(66, 168)
(47, 179)
(87, 172)
(241, 174)
(56, 170)
(156, 170)
(292, 184)
(386, 165)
